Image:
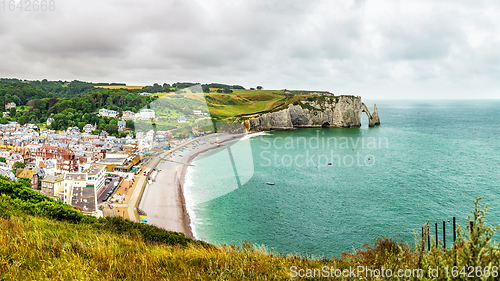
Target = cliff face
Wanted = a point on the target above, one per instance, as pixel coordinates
(341, 111)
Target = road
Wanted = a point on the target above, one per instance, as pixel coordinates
(154, 198)
(107, 188)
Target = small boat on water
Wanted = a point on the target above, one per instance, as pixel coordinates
(270, 183)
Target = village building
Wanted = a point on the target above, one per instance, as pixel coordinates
(107, 113)
(121, 126)
(13, 159)
(145, 114)
(25, 152)
(28, 174)
(65, 159)
(95, 176)
(130, 148)
(53, 187)
(10, 105)
(128, 115)
(120, 163)
(89, 128)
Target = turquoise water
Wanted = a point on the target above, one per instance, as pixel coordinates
(426, 159)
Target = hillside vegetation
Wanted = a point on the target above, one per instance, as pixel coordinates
(241, 104)
(42, 239)
(76, 103)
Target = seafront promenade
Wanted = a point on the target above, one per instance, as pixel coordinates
(136, 189)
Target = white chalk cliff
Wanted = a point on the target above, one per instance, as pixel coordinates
(324, 111)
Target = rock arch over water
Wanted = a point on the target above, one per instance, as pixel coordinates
(373, 119)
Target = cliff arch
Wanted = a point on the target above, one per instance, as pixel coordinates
(373, 119)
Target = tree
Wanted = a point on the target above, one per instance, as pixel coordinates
(13, 112)
(259, 88)
(111, 129)
(16, 99)
(19, 165)
(23, 119)
(130, 124)
(2, 159)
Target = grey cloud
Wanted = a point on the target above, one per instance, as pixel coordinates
(324, 45)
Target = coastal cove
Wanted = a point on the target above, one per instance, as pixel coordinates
(426, 159)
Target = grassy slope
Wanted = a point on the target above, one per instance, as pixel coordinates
(238, 105)
(244, 104)
(38, 243)
(34, 248)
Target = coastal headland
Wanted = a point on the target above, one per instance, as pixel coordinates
(322, 111)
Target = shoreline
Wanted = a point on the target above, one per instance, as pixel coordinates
(164, 200)
(187, 218)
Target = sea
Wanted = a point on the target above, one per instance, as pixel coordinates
(321, 191)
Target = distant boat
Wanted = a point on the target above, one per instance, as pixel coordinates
(270, 183)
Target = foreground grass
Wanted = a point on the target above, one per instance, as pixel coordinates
(41, 239)
(34, 248)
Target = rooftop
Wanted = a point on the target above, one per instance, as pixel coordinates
(94, 169)
(53, 179)
(76, 176)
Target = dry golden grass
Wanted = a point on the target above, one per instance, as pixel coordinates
(34, 248)
(120, 87)
(161, 95)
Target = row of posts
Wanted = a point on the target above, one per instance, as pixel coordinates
(444, 234)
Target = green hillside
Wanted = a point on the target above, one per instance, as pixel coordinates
(242, 104)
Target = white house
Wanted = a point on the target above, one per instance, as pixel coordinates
(107, 113)
(146, 114)
(128, 115)
(121, 126)
(95, 176)
(89, 128)
(150, 135)
(10, 105)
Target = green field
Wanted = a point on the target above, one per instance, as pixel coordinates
(236, 106)
(243, 104)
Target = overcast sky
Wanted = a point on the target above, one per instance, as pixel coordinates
(375, 48)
